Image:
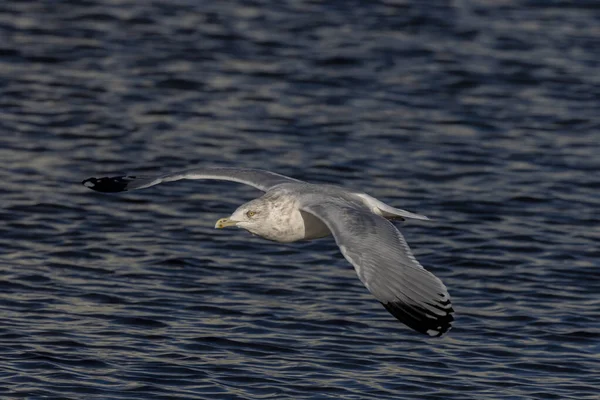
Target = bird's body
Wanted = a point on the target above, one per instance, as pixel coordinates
(293, 210)
(282, 218)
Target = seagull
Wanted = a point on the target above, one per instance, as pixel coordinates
(291, 210)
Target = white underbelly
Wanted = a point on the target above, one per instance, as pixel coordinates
(287, 223)
(301, 226)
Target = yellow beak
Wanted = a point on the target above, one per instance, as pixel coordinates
(224, 223)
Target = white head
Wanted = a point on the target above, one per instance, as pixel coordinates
(251, 216)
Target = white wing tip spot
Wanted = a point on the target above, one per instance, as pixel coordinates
(89, 184)
(433, 332)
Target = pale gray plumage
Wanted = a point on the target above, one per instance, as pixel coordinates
(294, 210)
(262, 180)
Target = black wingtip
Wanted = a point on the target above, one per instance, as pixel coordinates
(108, 184)
(420, 319)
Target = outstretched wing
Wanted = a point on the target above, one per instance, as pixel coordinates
(387, 267)
(260, 179)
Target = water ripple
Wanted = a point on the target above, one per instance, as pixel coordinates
(482, 116)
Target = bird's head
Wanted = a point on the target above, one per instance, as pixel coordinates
(250, 216)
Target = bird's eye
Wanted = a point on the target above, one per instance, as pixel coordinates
(250, 214)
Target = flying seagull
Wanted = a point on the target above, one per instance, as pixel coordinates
(292, 210)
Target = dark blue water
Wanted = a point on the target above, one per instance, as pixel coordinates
(482, 115)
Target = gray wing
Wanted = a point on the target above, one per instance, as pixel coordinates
(387, 267)
(260, 179)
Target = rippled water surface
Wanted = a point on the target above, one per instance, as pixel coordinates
(482, 115)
